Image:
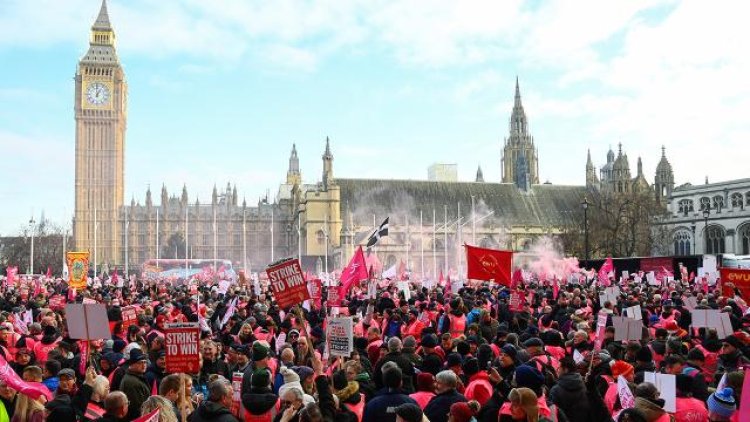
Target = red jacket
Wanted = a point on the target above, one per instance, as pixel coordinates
(690, 409)
(479, 388)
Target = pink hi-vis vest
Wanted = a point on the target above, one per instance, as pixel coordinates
(359, 408)
(458, 325)
(265, 417)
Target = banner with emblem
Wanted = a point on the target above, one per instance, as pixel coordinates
(78, 266)
(489, 265)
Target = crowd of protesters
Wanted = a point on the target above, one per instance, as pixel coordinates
(439, 356)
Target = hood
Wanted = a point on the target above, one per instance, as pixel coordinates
(571, 382)
(259, 403)
(651, 410)
(209, 410)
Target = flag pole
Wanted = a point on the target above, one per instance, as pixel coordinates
(421, 243)
(186, 241)
(325, 227)
(473, 223)
(244, 240)
(434, 249)
(445, 239)
(272, 240)
(157, 237)
(459, 233)
(215, 238)
(408, 243)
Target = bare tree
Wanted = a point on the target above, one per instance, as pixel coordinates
(48, 249)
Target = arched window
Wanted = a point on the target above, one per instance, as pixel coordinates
(320, 237)
(715, 240)
(736, 200)
(747, 199)
(718, 203)
(744, 233)
(437, 245)
(705, 203)
(682, 242)
(686, 206)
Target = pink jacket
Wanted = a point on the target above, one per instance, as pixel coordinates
(690, 410)
(422, 398)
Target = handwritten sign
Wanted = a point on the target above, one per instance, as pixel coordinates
(181, 344)
(288, 283)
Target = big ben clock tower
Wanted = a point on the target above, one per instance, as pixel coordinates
(100, 115)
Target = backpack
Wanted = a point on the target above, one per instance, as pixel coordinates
(549, 372)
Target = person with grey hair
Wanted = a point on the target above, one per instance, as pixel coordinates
(116, 407)
(292, 403)
(216, 408)
(396, 355)
(439, 406)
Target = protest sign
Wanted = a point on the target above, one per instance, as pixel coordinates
(634, 312)
(152, 416)
(577, 356)
(627, 329)
(78, 263)
(651, 278)
(315, 288)
(404, 287)
(237, 395)
(87, 322)
(288, 283)
(627, 400)
(709, 264)
(339, 336)
(601, 324)
(333, 297)
(721, 322)
(625, 275)
(57, 302)
(691, 302)
(732, 278)
(181, 344)
(667, 386)
(515, 303)
(129, 317)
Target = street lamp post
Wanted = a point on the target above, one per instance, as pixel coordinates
(706, 213)
(585, 206)
(32, 225)
(692, 227)
(127, 234)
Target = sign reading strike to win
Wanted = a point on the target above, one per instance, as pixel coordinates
(181, 343)
(288, 283)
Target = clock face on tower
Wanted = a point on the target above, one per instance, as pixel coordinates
(97, 94)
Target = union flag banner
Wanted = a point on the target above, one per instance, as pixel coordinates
(488, 264)
(78, 263)
(735, 277)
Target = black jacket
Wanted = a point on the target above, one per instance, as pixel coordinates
(407, 371)
(438, 408)
(328, 405)
(259, 401)
(569, 394)
(213, 412)
(112, 418)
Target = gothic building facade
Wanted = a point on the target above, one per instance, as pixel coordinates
(615, 177)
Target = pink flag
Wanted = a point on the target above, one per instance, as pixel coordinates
(604, 271)
(49, 272)
(84, 349)
(11, 273)
(354, 272)
(149, 417)
(31, 389)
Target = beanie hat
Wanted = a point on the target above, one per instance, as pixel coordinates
(529, 377)
(409, 412)
(620, 367)
(453, 359)
(733, 341)
(429, 340)
(533, 342)
(509, 350)
(722, 403)
(696, 354)
(50, 331)
(339, 380)
(118, 346)
(462, 411)
(471, 366)
(288, 375)
(260, 352)
(303, 371)
(260, 379)
(644, 355)
(425, 382)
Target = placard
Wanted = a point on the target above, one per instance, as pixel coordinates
(735, 277)
(404, 287)
(181, 345)
(339, 336)
(315, 288)
(78, 264)
(129, 317)
(721, 322)
(87, 322)
(634, 312)
(515, 303)
(237, 395)
(627, 329)
(288, 283)
(667, 386)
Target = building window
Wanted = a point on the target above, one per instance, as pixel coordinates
(715, 240)
(747, 199)
(745, 239)
(705, 203)
(682, 241)
(686, 206)
(718, 203)
(237, 239)
(320, 237)
(736, 200)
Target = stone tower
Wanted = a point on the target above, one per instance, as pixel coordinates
(519, 142)
(591, 180)
(293, 174)
(100, 115)
(664, 180)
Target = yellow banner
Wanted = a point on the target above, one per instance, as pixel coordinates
(78, 267)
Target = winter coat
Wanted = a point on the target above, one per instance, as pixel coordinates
(569, 394)
(213, 412)
(380, 408)
(327, 404)
(438, 408)
(690, 409)
(134, 386)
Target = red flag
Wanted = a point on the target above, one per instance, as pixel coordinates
(604, 271)
(488, 264)
(448, 287)
(441, 280)
(354, 272)
(517, 278)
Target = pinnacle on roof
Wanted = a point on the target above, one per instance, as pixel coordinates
(517, 101)
(480, 175)
(589, 163)
(102, 21)
(327, 153)
(294, 150)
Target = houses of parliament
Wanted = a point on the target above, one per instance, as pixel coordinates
(322, 221)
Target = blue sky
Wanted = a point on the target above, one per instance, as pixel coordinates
(219, 90)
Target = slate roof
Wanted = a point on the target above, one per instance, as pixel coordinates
(543, 205)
